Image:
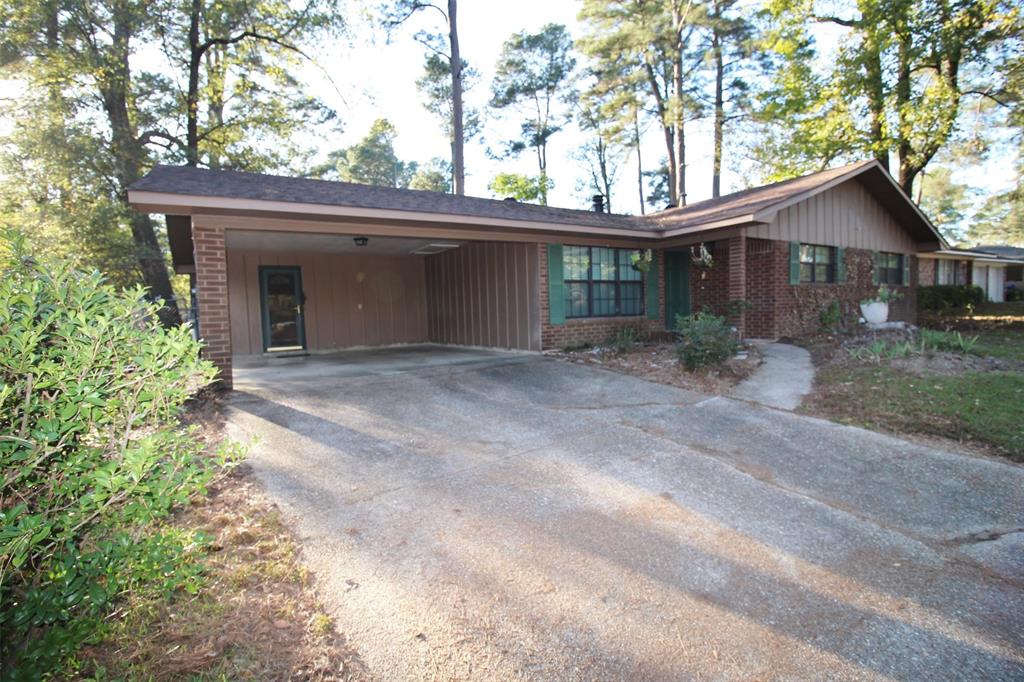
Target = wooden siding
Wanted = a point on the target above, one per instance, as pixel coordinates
(846, 215)
(485, 294)
(363, 300)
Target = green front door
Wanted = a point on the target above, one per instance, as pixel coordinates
(677, 286)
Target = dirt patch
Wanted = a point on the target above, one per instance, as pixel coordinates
(257, 614)
(659, 362)
(953, 364)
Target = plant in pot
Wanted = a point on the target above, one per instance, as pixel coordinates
(641, 260)
(875, 310)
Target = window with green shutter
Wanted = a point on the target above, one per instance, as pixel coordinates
(601, 282)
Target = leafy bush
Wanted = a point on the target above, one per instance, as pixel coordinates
(831, 316)
(92, 456)
(707, 339)
(949, 296)
(951, 342)
(624, 338)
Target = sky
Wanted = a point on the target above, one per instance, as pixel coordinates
(378, 79)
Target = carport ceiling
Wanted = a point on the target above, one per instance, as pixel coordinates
(259, 240)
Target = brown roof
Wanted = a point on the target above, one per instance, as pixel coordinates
(749, 201)
(258, 186)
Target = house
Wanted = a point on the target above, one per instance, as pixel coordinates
(1013, 256)
(991, 269)
(285, 265)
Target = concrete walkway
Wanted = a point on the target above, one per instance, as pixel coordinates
(782, 381)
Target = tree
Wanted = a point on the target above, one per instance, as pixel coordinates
(1000, 220)
(944, 201)
(896, 87)
(728, 35)
(603, 152)
(534, 74)
(434, 177)
(436, 85)
(520, 187)
(646, 47)
(396, 13)
(371, 161)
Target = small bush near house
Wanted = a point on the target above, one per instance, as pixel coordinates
(948, 297)
(831, 317)
(951, 342)
(625, 338)
(92, 458)
(707, 340)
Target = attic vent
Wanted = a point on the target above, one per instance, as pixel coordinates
(431, 249)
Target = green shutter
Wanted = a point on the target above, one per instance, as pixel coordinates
(874, 270)
(652, 288)
(906, 270)
(556, 285)
(840, 265)
(794, 262)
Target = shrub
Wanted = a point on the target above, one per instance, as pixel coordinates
(943, 297)
(624, 338)
(707, 340)
(831, 316)
(92, 456)
(952, 342)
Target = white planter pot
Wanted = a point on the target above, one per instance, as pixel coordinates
(875, 312)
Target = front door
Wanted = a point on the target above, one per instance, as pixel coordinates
(677, 286)
(282, 305)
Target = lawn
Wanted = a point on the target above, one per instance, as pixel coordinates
(981, 403)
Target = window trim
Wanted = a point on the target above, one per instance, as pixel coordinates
(833, 275)
(617, 282)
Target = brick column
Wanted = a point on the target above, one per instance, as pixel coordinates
(212, 298)
(738, 280)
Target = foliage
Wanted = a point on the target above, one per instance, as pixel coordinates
(942, 297)
(1000, 220)
(884, 295)
(533, 76)
(371, 161)
(897, 84)
(951, 342)
(433, 177)
(92, 457)
(641, 260)
(831, 316)
(436, 86)
(625, 338)
(944, 201)
(706, 340)
(520, 187)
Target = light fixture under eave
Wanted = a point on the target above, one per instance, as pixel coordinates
(431, 249)
(361, 241)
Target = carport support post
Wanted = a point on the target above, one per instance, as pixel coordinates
(212, 298)
(738, 282)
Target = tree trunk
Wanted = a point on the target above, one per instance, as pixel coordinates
(667, 130)
(908, 165)
(639, 161)
(716, 163)
(458, 141)
(129, 154)
(678, 114)
(192, 95)
(214, 59)
(876, 101)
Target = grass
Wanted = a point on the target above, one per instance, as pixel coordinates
(985, 408)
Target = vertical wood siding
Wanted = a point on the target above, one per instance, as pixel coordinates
(350, 300)
(485, 294)
(846, 215)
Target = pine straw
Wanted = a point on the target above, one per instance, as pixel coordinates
(257, 615)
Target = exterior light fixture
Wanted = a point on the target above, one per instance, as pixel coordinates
(360, 241)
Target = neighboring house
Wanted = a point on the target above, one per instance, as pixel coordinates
(290, 264)
(983, 267)
(1013, 256)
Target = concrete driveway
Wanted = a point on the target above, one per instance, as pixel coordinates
(501, 516)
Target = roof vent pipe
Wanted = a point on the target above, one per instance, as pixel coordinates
(598, 200)
(512, 199)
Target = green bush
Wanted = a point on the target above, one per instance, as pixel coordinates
(949, 296)
(831, 316)
(92, 456)
(951, 342)
(707, 340)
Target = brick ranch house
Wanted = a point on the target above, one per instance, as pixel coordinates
(285, 265)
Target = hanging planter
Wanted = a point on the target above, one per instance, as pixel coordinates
(641, 260)
(701, 257)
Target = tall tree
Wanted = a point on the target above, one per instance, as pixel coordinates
(371, 161)
(534, 76)
(397, 12)
(436, 86)
(944, 200)
(649, 46)
(435, 176)
(520, 187)
(604, 150)
(896, 87)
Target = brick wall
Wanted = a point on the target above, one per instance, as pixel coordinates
(797, 308)
(593, 330)
(926, 271)
(212, 298)
(765, 276)
(709, 286)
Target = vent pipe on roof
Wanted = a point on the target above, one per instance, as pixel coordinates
(598, 200)
(669, 205)
(512, 199)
